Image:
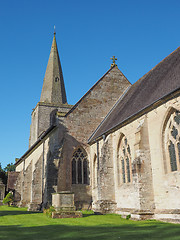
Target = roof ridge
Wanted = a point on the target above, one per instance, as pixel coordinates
(152, 69)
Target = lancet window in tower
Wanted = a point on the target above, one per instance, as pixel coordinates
(124, 161)
(172, 141)
(79, 167)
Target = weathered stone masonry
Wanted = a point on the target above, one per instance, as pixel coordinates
(117, 148)
(47, 166)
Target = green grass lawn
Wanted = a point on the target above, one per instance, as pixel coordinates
(17, 223)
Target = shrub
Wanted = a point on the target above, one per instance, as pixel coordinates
(8, 199)
(128, 216)
(49, 211)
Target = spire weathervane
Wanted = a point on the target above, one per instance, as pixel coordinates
(113, 61)
(54, 29)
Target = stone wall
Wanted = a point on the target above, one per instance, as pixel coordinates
(166, 183)
(95, 105)
(82, 196)
(81, 122)
(37, 182)
(27, 185)
(44, 116)
(105, 199)
(18, 188)
(73, 131)
(153, 191)
(67, 146)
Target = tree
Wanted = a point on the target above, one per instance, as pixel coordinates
(4, 172)
(1, 168)
(3, 175)
(10, 168)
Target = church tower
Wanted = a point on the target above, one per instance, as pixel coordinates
(53, 90)
(53, 97)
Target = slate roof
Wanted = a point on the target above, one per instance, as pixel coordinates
(159, 82)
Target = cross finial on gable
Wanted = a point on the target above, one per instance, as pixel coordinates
(114, 61)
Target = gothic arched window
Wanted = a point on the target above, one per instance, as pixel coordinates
(172, 141)
(95, 171)
(124, 161)
(79, 167)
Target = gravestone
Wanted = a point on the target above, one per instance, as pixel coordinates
(63, 202)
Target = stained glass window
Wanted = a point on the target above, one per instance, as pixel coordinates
(177, 117)
(174, 132)
(178, 146)
(79, 167)
(124, 159)
(128, 170)
(128, 149)
(123, 171)
(79, 171)
(73, 171)
(172, 140)
(85, 171)
(172, 155)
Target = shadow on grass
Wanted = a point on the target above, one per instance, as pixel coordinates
(87, 215)
(5, 213)
(105, 232)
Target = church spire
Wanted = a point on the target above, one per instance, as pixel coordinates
(53, 90)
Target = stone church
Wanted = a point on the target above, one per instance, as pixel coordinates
(117, 149)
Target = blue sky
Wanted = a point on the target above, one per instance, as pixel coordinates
(89, 32)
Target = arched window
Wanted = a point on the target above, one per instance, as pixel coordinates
(124, 161)
(172, 141)
(95, 172)
(79, 167)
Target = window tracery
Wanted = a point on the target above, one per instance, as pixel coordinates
(124, 161)
(172, 141)
(79, 167)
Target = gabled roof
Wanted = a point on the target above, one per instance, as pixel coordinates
(91, 89)
(159, 82)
